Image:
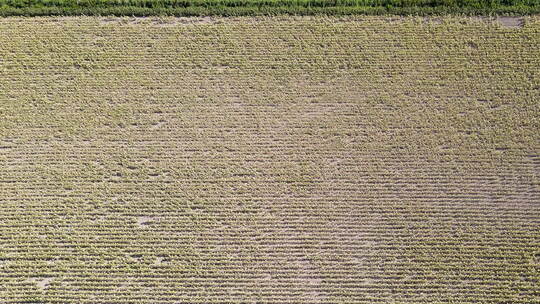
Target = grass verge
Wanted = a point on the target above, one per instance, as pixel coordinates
(266, 7)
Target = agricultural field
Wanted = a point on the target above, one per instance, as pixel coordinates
(285, 159)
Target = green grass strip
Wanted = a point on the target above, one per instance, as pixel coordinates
(266, 7)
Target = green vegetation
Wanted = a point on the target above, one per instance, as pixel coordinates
(279, 159)
(266, 7)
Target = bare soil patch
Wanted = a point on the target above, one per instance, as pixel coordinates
(511, 22)
(143, 221)
(41, 283)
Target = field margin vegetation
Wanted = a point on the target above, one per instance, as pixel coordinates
(265, 7)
